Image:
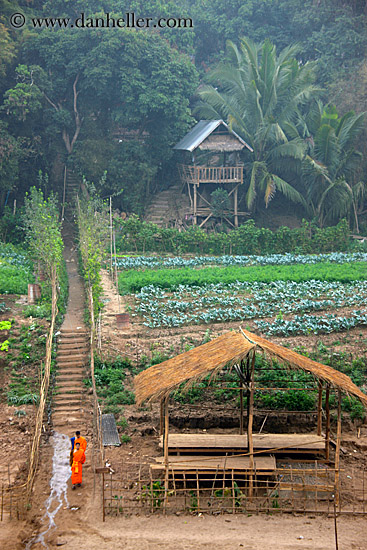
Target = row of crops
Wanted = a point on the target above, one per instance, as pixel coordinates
(282, 296)
(153, 262)
(241, 301)
(16, 270)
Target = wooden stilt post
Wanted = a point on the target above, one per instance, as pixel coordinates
(337, 448)
(250, 424)
(166, 428)
(319, 410)
(235, 199)
(241, 409)
(327, 430)
(111, 240)
(195, 205)
(103, 506)
(161, 419)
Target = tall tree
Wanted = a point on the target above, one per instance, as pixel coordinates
(332, 169)
(260, 93)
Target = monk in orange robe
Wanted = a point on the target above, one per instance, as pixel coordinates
(81, 440)
(77, 466)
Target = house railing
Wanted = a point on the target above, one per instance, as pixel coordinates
(211, 174)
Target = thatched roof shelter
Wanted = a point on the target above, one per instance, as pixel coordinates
(160, 380)
(318, 370)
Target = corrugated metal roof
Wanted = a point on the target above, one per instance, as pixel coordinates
(110, 434)
(200, 132)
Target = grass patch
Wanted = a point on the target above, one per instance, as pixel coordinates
(133, 281)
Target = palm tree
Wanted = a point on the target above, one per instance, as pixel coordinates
(260, 94)
(331, 169)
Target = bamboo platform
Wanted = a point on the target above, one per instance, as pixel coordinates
(235, 443)
(263, 464)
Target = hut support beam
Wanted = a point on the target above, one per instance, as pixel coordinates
(319, 409)
(241, 410)
(327, 431)
(161, 418)
(195, 205)
(166, 429)
(235, 206)
(250, 425)
(337, 449)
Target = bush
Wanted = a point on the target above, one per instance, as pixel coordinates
(134, 235)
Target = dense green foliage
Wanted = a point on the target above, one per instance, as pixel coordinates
(92, 222)
(260, 94)
(117, 100)
(240, 301)
(26, 349)
(137, 236)
(132, 281)
(16, 271)
(43, 233)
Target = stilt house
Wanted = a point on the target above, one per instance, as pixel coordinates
(215, 163)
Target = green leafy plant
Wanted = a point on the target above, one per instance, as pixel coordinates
(153, 493)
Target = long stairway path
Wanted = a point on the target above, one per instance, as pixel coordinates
(71, 404)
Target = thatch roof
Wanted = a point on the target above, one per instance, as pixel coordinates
(318, 370)
(160, 380)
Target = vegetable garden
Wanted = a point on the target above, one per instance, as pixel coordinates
(173, 292)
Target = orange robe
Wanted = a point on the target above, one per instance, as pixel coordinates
(82, 441)
(77, 466)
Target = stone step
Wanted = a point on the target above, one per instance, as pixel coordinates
(70, 377)
(70, 401)
(66, 376)
(70, 369)
(67, 409)
(71, 356)
(75, 363)
(68, 385)
(73, 332)
(77, 394)
(76, 343)
(73, 390)
(73, 345)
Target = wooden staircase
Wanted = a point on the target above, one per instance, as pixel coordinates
(73, 183)
(70, 399)
(165, 206)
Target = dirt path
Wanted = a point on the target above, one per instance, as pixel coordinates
(83, 529)
(71, 404)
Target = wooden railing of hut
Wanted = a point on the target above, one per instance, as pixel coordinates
(211, 174)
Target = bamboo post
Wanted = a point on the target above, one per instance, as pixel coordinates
(338, 443)
(250, 424)
(236, 207)
(327, 431)
(166, 428)
(195, 206)
(103, 505)
(161, 418)
(111, 241)
(319, 409)
(197, 491)
(233, 494)
(241, 409)
(63, 196)
(116, 276)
